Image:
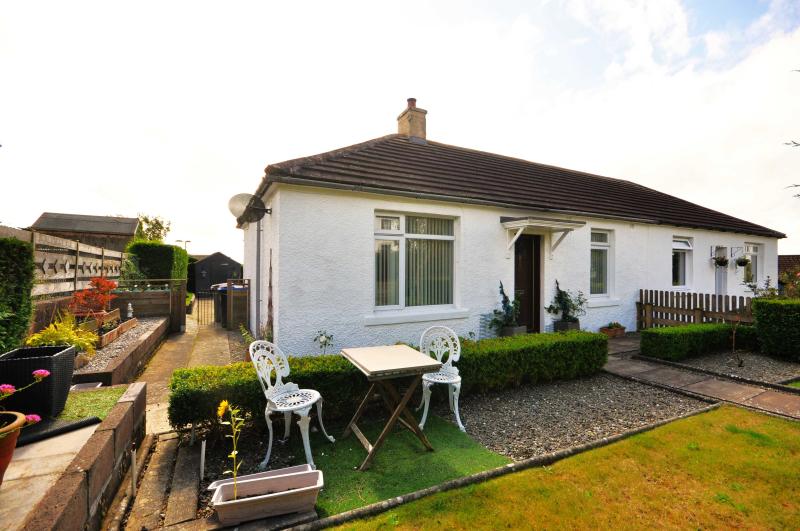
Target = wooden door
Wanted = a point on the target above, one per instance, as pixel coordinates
(527, 280)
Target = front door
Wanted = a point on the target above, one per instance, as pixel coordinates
(721, 274)
(527, 280)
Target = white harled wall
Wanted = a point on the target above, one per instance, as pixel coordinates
(323, 259)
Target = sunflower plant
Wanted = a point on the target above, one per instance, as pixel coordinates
(235, 422)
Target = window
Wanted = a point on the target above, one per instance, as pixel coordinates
(751, 269)
(681, 261)
(599, 263)
(414, 258)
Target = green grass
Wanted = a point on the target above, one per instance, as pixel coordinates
(729, 468)
(402, 464)
(795, 384)
(92, 403)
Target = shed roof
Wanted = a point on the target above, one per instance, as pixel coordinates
(202, 258)
(84, 223)
(399, 165)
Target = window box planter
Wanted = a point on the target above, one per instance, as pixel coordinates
(111, 335)
(8, 437)
(513, 331)
(49, 396)
(612, 332)
(564, 326)
(97, 317)
(267, 494)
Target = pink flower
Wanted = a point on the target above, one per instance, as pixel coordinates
(7, 389)
(33, 418)
(40, 374)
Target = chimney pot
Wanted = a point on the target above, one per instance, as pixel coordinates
(411, 122)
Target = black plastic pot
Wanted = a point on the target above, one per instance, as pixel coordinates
(513, 331)
(47, 398)
(563, 326)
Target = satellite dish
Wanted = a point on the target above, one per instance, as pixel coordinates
(247, 208)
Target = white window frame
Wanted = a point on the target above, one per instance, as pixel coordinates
(683, 245)
(608, 246)
(401, 237)
(751, 250)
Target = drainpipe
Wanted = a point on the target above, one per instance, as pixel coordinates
(257, 331)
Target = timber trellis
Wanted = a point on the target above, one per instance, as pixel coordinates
(674, 308)
(64, 266)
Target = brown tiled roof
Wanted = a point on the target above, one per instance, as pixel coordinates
(395, 164)
(788, 262)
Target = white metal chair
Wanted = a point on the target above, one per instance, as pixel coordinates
(284, 397)
(443, 344)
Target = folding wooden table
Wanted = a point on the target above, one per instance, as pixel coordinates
(382, 365)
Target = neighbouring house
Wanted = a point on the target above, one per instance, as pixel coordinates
(111, 232)
(788, 263)
(375, 242)
(209, 269)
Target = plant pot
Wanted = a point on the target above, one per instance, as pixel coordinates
(512, 331)
(8, 438)
(47, 398)
(100, 317)
(112, 335)
(613, 332)
(266, 494)
(564, 326)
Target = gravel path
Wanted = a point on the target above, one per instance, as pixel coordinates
(756, 366)
(103, 356)
(540, 419)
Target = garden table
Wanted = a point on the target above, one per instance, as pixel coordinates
(382, 366)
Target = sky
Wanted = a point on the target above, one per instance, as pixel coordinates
(170, 108)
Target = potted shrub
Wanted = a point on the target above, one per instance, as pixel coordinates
(568, 307)
(264, 494)
(613, 329)
(506, 319)
(13, 421)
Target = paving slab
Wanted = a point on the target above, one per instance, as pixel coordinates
(672, 377)
(146, 511)
(185, 491)
(724, 390)
(629, 367)
(625, 344)
(778, 402)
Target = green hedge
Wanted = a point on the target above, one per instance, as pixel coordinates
(158, 260)
(679, 342)
(484, 365)
(778, 326)
(16, 272)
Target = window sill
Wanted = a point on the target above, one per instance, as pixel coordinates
(602, 302)
(384, 317)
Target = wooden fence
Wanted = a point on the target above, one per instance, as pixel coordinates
(674, 308)
(64, 266)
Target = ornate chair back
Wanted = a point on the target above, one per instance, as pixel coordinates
(268, 360)
(443, 344)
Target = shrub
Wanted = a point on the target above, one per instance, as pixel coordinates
(158, 260)
(64, 331)
(484, 365)
(679, 342)
(94, 299)
(778, 326)
(16, 272)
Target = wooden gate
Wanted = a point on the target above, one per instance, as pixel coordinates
(204, 307)
(674, 308)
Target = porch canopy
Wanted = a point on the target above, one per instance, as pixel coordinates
(515, 227)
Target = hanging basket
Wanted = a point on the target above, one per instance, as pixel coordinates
(742, 261)
(720, 261)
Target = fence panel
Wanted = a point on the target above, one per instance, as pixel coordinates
(658, 308)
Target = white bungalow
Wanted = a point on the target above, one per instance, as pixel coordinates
(375, 242)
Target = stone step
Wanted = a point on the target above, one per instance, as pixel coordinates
(151, 496)
(185, 491)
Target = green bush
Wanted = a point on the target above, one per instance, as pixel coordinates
(16, 272)
(158, 260)
(490, 364)
(679, 342)
(778, 326)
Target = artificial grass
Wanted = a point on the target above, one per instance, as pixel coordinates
(91, 403)
(729, 468)
(402, 464)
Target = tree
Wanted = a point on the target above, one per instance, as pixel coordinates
(152, 228)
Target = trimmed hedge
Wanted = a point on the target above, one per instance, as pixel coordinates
(679, 342)
(16, 272)
(159, 260)
(778, 326)
(490, 364)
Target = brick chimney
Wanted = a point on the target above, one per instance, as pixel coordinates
(411, 121)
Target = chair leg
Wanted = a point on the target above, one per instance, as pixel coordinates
(426, 399)
(304, 423)
(287, 423)
(455, 391)
(450, 396)
(263, 464)
(321, 425)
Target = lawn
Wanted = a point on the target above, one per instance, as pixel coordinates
(91, 403)
(795, 384)
(727, 468)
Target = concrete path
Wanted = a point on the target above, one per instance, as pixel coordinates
(715, 387)
(199, 345)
